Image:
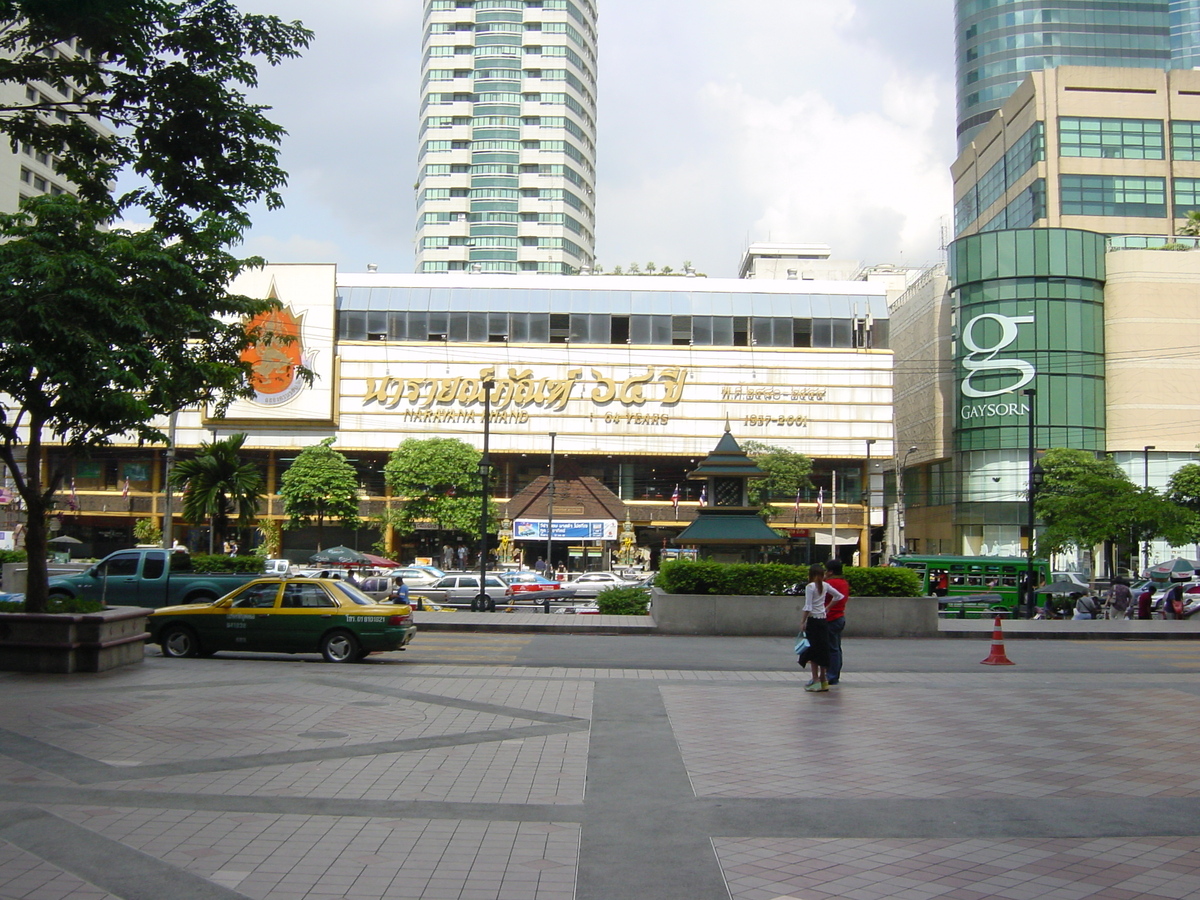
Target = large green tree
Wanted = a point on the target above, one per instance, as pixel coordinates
(104, 329)
(787, 473)
(320, 484)
(1085, 501)
(219, 486)
(438, 480)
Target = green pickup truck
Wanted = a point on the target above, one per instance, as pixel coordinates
(146, 577)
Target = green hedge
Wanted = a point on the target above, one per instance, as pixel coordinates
(743, 579)
(623, 601)
(56, 605)
(215, 562)
(13, 556)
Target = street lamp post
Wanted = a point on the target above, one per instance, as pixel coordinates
(900, 508)
(867, 498)
(550, 510)
(1031, 494)
(1146, 484)
(482, 602)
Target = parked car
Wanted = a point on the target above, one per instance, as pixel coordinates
(589, 584)
(463, 590)
(147, 577)
(285, 615)
(418, 576)
(533, 583)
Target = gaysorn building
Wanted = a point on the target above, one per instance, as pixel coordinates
(637, 378)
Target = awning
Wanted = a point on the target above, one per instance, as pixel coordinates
(844, 538)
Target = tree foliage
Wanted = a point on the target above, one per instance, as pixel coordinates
(1085, 501)
(321, 484)
(103, 329)
(218, 486)
(787, 472)
(438, 480)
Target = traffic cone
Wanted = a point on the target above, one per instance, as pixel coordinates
(997, 657)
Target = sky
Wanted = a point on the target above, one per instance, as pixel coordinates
(721, 123)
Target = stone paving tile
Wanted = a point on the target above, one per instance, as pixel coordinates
(550, 769)
(897, 742)
(291, 857)
(25, 877)
(182, 725)
(1013, 869)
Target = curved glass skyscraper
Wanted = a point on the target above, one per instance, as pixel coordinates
(508, 136)
(999, 41)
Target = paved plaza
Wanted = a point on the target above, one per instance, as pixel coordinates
(410, 776)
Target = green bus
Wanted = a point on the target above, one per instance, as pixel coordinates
(971, 586)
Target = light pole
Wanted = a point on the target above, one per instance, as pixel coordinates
(482, 602)
(550, 510)
(1034, 479)
(1146, 485)
(867, 498)
(900, 509)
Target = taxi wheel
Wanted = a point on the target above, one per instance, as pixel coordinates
(341, 647)
(180, 642)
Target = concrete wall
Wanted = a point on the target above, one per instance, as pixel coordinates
(779, 616)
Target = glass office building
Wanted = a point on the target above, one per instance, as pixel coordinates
(998, 42)
(507, 147)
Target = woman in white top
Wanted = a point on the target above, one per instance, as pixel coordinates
(817, 595)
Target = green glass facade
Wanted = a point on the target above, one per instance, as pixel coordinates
(1029, 313)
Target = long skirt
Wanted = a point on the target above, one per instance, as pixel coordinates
(817, 632)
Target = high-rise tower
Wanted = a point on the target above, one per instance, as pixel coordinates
(999, 41)
(508, 136)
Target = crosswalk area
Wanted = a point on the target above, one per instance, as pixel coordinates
(466, 647)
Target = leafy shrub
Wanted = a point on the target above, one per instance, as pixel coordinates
(883, 581)
(215, 563)
(744, 579)
(13, 556)
(56, 605)
(623, 601)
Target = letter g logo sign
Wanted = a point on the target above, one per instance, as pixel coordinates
(982, 359)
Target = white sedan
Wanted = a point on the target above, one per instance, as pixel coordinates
(589, 584)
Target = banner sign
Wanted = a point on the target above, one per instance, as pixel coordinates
(566, 529)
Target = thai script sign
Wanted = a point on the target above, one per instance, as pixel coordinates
(566, 529)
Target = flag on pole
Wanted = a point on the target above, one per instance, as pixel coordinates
(821, 505)
(125, 490)
(796, 509)
(74, 504)
(704, 496)
(675, 501)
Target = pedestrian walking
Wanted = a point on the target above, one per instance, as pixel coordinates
(1119, 599)
(462, 557)
(1146, 602)
(540, 566)
(1173, 602)
(447, 557)
(817, 595)
(835, 617)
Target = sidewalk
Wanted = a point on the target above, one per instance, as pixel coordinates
(282, 778)
(1069, 629)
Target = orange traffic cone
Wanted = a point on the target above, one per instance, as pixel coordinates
(997, 657)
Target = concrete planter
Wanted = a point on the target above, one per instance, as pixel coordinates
(779, 615)
(61, 643)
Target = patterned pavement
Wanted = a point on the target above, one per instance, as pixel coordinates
(292, 780)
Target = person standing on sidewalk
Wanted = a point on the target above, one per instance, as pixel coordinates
(817, 595)
(835, 617)
(1146, 602)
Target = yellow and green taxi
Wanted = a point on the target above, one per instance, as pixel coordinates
(285, 615)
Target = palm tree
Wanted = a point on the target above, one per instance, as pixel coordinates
(216, 484)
